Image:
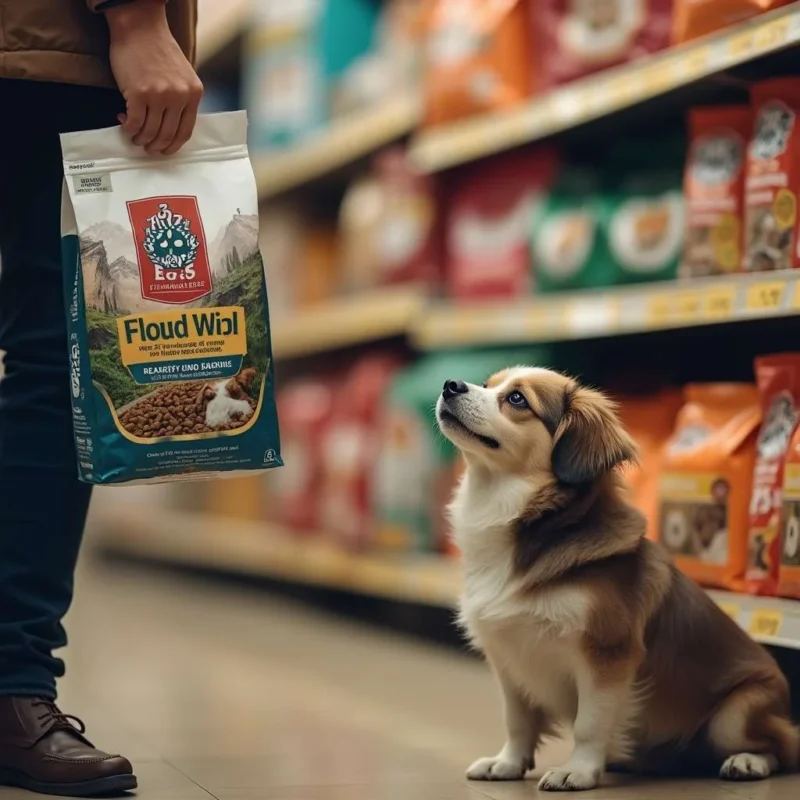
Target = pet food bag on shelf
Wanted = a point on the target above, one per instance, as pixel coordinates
(574, 39)
(713, 186)
(350, 450)
(778, 380)
(693, 18)
(491, 207)
(477, 58)
(650, 419)
(167, 315)
(789, 571)
(305, 408)
(773, 177)
(706, 476)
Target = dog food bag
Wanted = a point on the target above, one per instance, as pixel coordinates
(167, 313)
(772, 178)
(693, 18)
(477, 58)
(305, 408)
(491, 206)
(706, 477)
(573, 39)
(713, 186)
(778, 380)
(789, 571)
(650, 419)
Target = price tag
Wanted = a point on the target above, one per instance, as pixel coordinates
(718, 303)
(659, 310)
(695, 62)
(687, 307)
(765, 296)
(622, 90)
(660, 77)
(731, 609)
(741, 46)
(765, 622)
(772, 35)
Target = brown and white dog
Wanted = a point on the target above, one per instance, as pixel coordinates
(226, 401)
(584, 622)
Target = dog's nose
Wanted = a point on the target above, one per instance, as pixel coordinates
(452, 388)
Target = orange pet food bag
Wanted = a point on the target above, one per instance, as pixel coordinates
(778, 379)
(650, 420)
(713, 185)
(772, 180)
(693, 18)
(704, 490)
(477, 57)
(789, 573)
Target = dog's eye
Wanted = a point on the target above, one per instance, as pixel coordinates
(517, 399)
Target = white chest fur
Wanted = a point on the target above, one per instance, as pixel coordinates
(531, 635)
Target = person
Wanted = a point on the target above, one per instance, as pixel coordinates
(59, 60)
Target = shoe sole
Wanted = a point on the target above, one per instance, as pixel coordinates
(111, 785)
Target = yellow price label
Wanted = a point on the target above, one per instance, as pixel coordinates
(730, 609)
(718, 303)
(772, 34)
(742, 46)
(765, 296)
(660, 310)
(660, 77)
(765, 622)
(688, 306)
(695, 63)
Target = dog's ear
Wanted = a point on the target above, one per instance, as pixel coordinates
(590, 439)
(205, 394)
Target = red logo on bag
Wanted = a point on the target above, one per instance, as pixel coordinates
(170, 248)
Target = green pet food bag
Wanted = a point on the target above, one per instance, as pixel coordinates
(168, 323)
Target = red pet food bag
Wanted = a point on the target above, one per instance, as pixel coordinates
(574, 38)
(492, 206)
(350, 450)
(713, 186)
(773, 177)
(778, 380)
(304, 408)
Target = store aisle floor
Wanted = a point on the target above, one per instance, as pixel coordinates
(236, 695)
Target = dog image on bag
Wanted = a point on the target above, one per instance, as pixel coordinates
(581, 618)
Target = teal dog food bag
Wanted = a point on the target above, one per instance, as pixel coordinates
(167, 315)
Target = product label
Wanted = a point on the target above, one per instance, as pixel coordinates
(694, 516)
(713, 190)
(170, 249)
(91, 184)
(770, 200)
(183, 345)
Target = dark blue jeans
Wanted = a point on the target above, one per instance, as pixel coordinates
(42, 505)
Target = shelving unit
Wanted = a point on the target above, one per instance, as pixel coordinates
(605, 93)
(343, 142)
(261, 550)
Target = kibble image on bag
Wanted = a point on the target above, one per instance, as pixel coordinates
(168, 322)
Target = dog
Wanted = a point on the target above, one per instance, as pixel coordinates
(227, 400)
(583, 621)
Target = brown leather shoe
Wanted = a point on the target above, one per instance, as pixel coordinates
(42, 750)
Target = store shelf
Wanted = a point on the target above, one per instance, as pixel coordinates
(345, 141)
(606, 93)
(368, 317)
(219, 24)
(267, 551)
(591, 314)
(263, 550)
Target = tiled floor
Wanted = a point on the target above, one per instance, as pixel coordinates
(220, 693)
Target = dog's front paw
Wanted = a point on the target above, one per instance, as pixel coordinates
(569, 780)
(747, 767)
(499, 769)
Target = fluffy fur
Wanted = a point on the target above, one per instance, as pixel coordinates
(584, 622)
(225, 400)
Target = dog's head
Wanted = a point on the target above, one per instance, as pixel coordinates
(535, 422)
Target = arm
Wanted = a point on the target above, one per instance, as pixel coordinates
(161, 89)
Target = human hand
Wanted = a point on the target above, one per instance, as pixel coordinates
(161, 89)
